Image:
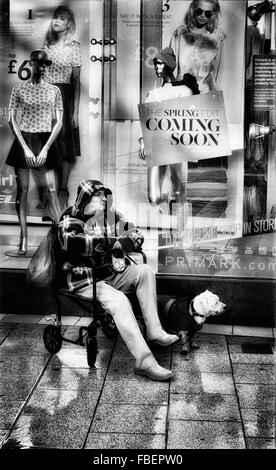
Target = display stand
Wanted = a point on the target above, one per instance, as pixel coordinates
(14, 253)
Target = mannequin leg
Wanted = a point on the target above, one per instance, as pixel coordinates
(156, 176)
(21, 204)
(47, 179)
(179, 176)
(63, 193)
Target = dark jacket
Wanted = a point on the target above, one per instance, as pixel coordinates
(86, 242)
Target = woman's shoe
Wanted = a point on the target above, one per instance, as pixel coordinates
(165, 339)
(155, 372)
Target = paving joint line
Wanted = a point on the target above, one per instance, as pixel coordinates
(26, 401)
(237, 396)
(100, 394)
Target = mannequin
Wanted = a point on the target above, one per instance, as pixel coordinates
(35, 118)
(164, 65)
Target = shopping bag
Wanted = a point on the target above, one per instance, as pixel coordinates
(42, 268)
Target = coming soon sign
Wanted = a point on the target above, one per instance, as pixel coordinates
(185, 129)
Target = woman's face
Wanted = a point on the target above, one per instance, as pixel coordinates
(203, 12)
(61, 22)
(97, 203)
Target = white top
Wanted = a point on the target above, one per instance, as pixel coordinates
(64, 58)
(37, 104)
(167, 92)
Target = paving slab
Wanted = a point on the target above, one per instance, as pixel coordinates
(204, 407)
(254, 373)
(142, 419)
(18, 387)
(9, 409)
(259, 423)
(18, 318)
(65, 378)
(258, 396)
(196, 361)
(125, 441)
(207, 344)
(21, 345)
(55, 419)
(24, 330)
(14, 364)
(205, 435)
(260, 443)
(77, 358)
(202, 382)
(239, 357)
(135, 391)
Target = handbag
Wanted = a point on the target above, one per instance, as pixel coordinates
(42, 268)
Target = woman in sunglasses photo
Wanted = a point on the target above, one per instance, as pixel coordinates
(35, 117)
(197, 44)
(65, 53)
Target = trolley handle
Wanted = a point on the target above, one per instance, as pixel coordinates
(48, 218)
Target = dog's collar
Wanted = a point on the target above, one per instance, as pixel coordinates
(193, 312)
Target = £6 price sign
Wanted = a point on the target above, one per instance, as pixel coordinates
(23, 71)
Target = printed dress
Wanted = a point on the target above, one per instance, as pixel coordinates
(36, 105)
(64, 59)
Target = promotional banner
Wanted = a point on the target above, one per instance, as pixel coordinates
(185, 129)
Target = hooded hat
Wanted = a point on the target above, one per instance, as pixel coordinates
(167, 56)
(86, 190)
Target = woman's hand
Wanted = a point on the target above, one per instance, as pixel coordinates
(132, 240)
(142, 153)
(30, 157)
(42, 157)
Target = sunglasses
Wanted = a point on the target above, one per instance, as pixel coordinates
(41, 62)
(207, 13)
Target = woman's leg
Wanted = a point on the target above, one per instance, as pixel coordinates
(140, 278)
(48, 180)
(21, 204)
(118, 305)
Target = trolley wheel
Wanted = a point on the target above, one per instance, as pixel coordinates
(92, 350)
(109, 327)
(52, 338)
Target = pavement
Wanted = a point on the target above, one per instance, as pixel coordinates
(221, 397)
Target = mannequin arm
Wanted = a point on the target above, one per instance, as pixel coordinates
(29, 156)
(42, 157)
(76, 87)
